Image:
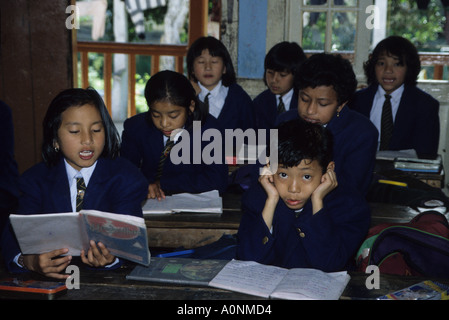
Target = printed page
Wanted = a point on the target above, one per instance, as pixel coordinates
(39, 233)
(249, 277)
(208, 202)
(311, 284)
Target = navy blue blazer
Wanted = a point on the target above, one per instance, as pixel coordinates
(142, 144)
(115, 186)
(238, 110)
(417, 122)
(355, 146)
(265, 108)
(327, 240)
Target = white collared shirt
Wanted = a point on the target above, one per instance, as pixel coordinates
(72, 174)
(286, 99)
(175, 138)
(379, 99)
(216, 99)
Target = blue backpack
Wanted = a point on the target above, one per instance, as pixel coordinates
(419, 247)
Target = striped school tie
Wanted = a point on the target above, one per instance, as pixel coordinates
(168, 146)
(80, 191)
(281, 106)
(386, 126)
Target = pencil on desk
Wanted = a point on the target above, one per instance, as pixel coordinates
(392, 182)
(174, 254)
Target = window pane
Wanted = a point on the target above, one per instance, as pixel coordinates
(343, 31)
(314, 30)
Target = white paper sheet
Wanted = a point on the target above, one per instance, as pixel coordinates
(209, 202)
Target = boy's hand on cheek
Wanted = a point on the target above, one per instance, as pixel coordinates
(266, 179)
(328, 183)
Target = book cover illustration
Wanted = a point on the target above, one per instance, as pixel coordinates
(178, 270)
(122, 239)
(124, 236)
(425, 290)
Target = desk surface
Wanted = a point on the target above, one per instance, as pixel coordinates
(191, 230)
(113, 285)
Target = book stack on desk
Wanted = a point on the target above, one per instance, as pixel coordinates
(418, 165)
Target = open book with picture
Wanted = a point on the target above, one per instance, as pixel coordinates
(125, 236)
(247, 277)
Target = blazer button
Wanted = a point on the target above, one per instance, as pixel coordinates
(265, 240)
(301, 234)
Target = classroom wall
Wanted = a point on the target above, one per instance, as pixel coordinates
(35, 64)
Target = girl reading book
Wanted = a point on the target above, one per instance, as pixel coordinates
(80, 170)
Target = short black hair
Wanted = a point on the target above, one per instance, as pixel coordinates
(76, 97)
(401, 48)
(216, 49)
(325, 69)
(301, 140)
(284, 56)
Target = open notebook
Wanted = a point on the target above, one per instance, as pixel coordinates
(207, 202)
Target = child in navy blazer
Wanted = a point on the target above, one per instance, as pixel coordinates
(174, 115)
(393, 69)
(80, 140)
(281, 63)
(209, 66)
(324, 84)
(299, 215)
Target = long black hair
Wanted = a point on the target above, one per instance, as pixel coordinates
(76, 97)
(401, 48)
(175, 88)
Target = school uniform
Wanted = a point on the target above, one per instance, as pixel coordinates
(266, 105)
(327, 240)
(115, 186)
(355, 145)
(231, 106)
(143, 143)
(415, 115)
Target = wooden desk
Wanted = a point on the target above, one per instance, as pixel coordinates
(113, 285)
(192, 230)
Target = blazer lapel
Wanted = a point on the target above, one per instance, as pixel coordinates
(59, 189)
